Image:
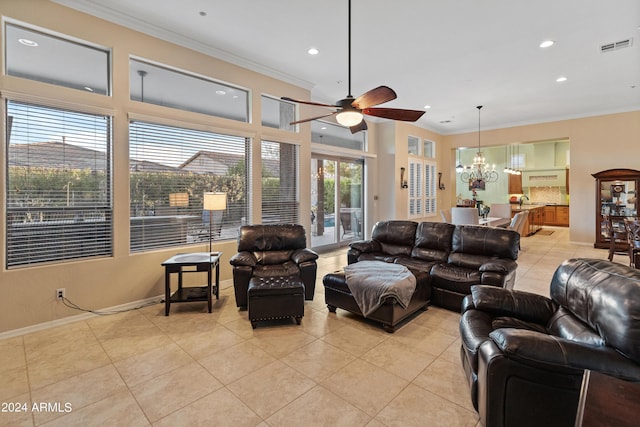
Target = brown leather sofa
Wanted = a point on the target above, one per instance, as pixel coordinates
(454, 256)
(525, 354)
(272, 250)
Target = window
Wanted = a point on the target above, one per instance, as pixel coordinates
(170, 170)
(58, 184)
(163, 86)
(422, 188)
(429, 149)
(280, 201)
(278, 114)
(37, 56)
(413, 145)
(336, 135)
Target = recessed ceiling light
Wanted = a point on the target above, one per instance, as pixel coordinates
(547, 43)
(426, 107)
(28, 42)
(561, 79)
(323, 127)
(313, 51)
(221, 92)
(88, 88)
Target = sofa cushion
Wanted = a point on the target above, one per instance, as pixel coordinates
(563, 324)
(415, 264)
(485, 241)
(395, 237)
(271, 237)
(433, 241)
(454, 278)
(605, 296)
(288, 268)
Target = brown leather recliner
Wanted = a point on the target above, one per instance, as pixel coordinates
(525, 354)
(269, 251)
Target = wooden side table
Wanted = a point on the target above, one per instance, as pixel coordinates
(606, 400)
(196, 262)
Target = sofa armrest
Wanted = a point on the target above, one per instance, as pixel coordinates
(364, 246)
(526, 306)
(243, 258)
(554, 353)
(499, 265)
(303, 255)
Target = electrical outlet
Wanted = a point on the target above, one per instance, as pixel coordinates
(60, 293)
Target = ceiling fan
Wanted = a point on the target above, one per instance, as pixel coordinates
(349, 111)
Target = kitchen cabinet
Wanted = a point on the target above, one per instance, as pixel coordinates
(515, 184)
(549, 215)
(562, 216)
(616, 196)
(557, 215)
(535, 219)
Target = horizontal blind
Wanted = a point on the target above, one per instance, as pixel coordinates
(59, 203)
(280, 201)
(170, 170)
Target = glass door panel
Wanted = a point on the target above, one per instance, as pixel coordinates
(336, 201)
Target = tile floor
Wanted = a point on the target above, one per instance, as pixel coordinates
(194, 368)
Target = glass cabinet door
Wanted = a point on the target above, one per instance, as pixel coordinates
(615, 200)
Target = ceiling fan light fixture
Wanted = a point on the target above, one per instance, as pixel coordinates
(349, 118)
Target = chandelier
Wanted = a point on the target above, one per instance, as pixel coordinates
(480, 172)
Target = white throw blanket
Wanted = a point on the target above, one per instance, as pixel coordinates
(370, 282)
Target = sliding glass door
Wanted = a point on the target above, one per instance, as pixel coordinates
(336, 201)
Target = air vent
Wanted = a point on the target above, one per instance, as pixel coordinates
(615, 46)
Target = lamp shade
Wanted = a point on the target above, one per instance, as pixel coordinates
(179, 199)
(215, 201)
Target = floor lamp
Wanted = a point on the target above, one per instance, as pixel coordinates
(214, 202)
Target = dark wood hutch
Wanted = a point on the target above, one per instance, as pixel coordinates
(616, 196)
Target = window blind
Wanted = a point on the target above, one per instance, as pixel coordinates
(170, 170)
(280, 199)
(58, 202)
(422, 187)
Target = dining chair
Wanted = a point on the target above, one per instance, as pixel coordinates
(615, 235)
(518, 222)
(632, 226)
(501, 210)
(461, 216)
(445, 214)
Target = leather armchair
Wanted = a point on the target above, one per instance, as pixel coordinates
(270, 251)
(524, 354)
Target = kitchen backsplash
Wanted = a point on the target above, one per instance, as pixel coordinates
(545, 195)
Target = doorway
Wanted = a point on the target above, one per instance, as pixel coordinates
(337, 215)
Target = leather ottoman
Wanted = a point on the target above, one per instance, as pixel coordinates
(390, 314)
(278, 297)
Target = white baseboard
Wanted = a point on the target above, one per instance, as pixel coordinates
(84, 316)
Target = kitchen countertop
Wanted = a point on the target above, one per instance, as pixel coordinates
(515, 207)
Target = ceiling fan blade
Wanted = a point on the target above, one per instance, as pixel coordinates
(359, 127)
(286, 98)
(394, 113)
(312, 118)
(374, 97)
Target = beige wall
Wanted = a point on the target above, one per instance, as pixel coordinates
(596, 143)
(28, 294)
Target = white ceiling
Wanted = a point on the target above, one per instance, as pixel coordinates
(452, 55)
